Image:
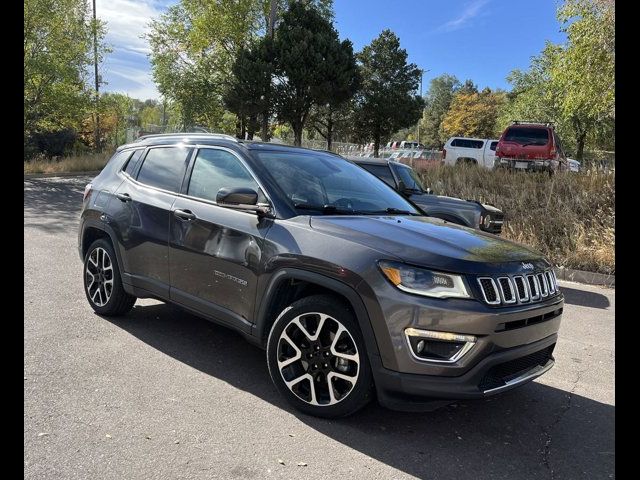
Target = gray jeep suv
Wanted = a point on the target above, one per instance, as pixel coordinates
(348, 288)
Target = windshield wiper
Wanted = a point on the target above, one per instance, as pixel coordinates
(327, 209)
(397, 211)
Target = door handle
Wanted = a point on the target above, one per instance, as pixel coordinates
(124, 197)
(184, 214)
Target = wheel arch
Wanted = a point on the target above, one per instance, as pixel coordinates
(290, 284)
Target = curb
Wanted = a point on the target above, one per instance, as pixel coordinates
(589, 278)
(61, 174)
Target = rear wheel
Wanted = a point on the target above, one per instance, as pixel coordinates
(102, 281)
(317, 358)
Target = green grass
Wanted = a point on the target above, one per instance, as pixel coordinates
(79, 163)
(569, 217)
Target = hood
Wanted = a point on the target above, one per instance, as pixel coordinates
(431, 242)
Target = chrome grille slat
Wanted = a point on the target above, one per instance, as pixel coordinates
(542, 282)
(519, 289)
(489, 294)
(502, 281)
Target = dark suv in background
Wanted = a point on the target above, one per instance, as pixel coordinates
(348, 288)
(405, 181)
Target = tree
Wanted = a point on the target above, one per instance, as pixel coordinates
(386, 101)
(249, 92)
(309, 60)
(473, 115)
(58, 51)
(193, 46)
(437, 100)
(341, 83)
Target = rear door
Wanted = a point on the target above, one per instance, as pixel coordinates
(141, 220)
(215, 252)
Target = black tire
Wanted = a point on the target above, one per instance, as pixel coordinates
(118, 302)
(361, 391)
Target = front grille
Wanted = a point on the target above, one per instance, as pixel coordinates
(518, 289)
(498, 375)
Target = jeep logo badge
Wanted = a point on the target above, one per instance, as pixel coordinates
(527, 266)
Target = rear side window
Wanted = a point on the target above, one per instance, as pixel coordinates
(527, 135)
(493, 146)
(130, 168)
(216, 169)
(466, 143)
(382, 172)
(164, 168)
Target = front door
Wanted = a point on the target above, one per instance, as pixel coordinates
(215, 253)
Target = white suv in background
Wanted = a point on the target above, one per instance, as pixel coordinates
(477, 151)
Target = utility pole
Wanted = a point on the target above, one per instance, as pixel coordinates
(421, 73)
(264, 134)
(95, 74)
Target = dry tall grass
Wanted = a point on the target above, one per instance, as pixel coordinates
(570, 217)
(79, 163)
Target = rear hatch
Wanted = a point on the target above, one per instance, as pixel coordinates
(525, 143)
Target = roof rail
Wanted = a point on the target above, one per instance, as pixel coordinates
(221, 136)
(527, 122)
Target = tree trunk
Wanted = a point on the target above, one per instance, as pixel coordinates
(243, 128)
(376, 144)
(251, 127)
(297, 133)
(330, 130)
(580, 147)
(264, 133)
(238, 127)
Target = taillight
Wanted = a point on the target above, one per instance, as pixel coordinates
(444, 153)
(552, 154)
(87, 191)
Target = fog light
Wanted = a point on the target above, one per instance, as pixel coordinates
(441, 347)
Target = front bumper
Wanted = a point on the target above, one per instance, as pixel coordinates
(496, 373)
(502, 334)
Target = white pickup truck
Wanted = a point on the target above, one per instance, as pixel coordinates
(477, 151)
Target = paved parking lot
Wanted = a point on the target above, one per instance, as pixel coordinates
(162, 394)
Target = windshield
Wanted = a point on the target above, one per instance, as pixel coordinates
(409, 178)
(529, 136)
(326, 184)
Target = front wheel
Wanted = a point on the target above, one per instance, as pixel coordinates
(317, 359)
(102, 281)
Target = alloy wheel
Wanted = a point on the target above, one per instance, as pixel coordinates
(99, 276)
(318, 359)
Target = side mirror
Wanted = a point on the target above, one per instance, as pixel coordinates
(241, 198)
(402, 188)
(236, 196)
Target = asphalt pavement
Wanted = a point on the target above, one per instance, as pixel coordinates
(163, 394)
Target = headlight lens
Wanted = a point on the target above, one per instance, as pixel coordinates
(487, 221)
(425, 282)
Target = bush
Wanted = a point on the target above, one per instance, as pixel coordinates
(569, 217)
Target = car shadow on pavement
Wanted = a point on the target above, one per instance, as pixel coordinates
(584, 298)
(535, 431)
(53, 204)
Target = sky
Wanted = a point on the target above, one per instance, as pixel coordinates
(482, 40)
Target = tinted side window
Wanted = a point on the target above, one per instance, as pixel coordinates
(215, 169)
(475, 143)
(164, 168)
(457, 143)
(493, 146)
(382, 172)
(131, 165)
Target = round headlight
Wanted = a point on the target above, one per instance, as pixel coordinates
(487, 221)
